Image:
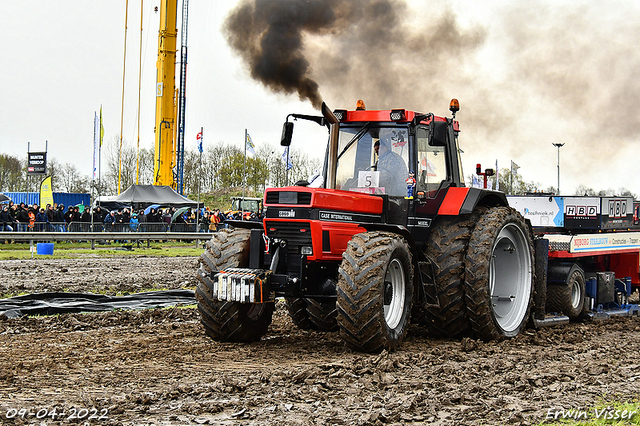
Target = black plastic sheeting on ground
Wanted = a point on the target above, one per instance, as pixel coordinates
(59, 303)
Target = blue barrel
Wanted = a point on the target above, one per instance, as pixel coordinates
(44, 248)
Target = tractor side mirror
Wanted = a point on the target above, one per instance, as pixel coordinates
(287, 133)
(438, 133)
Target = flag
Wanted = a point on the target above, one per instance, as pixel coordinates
(514, 167)
(199, 138)
(250, 146)
(287, 158)
(101, 128)
(46, 192)
(497, 176)
(96, 143)
(428, 166)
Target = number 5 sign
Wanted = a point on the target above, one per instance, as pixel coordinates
(368, 179)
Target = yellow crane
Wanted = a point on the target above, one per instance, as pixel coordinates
(166, 97)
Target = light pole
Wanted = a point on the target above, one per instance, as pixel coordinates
(558, 145)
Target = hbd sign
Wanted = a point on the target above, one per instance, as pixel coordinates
(581, 211)
(617, 208)
(37, 163)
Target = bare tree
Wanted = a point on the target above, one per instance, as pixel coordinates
(119, 168)
(191, 171)
(585, 191)
(68, 179)
(10, 173)
(146, 167)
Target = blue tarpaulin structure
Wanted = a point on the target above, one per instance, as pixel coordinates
(66, 198)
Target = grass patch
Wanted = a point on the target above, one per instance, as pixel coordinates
(66, 250)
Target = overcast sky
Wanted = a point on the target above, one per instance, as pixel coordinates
(527, 75)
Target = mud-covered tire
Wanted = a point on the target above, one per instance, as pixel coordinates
(499, 274)
(297, 309)
(311, 314)
(566, 290)
(323, 314)
(222, 320)
(446, 248)
(375, 291)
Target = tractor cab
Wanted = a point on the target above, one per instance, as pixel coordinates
(397, 153)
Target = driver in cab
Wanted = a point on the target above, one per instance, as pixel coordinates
(392, 168)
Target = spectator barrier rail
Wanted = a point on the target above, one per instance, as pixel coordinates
(104, 227)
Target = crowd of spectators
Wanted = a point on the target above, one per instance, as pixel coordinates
(54, 218)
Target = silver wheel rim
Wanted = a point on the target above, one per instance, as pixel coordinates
(510, 278)
(575, 294)
(394, 281)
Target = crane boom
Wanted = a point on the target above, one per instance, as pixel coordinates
(165, 141)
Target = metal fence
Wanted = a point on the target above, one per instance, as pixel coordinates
(106, 227)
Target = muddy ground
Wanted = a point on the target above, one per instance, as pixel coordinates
(157, 366)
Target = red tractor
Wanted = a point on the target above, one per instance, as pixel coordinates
(388, 234)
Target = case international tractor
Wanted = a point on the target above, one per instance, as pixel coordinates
(390, 234)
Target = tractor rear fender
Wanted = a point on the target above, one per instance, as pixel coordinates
(459, 201)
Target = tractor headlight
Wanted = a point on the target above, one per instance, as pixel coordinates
(397, 115)
(306, 250)
(340, 114)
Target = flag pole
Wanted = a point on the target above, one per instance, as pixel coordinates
(244, 178)
(124, 67)
(100, 171)
(139, 89)
(93, 175)
(199, 178)
(100, 156)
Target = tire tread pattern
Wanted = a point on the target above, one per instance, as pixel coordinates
(559, 295)
(478, 299)
(360, 313)
(223, 320)
(446, 249)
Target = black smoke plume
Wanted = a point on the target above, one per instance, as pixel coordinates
(269, 36)
(526, 75)
(357, 47)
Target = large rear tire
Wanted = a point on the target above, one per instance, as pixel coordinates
(566, 290)
(499, 274)
(222, 320)
(446, 248)
(375, 291)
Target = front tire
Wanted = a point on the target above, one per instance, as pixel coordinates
(222, 320)
(312, 314)
(499, 274)
(375, 291)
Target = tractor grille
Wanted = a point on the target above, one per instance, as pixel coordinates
(296, 234)
(288, 197)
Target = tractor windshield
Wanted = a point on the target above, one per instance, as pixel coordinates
(373, 159)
